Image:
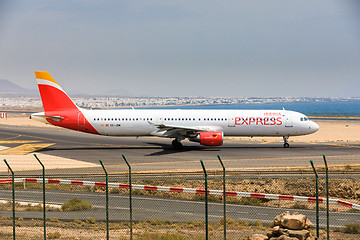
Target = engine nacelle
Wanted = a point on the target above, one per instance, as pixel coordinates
(208, 138)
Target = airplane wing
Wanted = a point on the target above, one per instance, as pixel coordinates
(173, 131)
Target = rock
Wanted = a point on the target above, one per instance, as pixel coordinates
(284, 237)
(283, 231)
(277, 219)
(299, 234)
(270, 234)
(296, 222)
(308, 224)
(274, 232)
(258, 237)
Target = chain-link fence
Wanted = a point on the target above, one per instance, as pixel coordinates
(173, 206)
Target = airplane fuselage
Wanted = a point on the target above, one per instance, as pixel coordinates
(144, 122)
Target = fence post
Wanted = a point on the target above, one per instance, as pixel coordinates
(327, 198)
(317, 199)
(107, 200)
(130, 197)
(13, 195)
(44, 206)
(206, 202)
(224, 194)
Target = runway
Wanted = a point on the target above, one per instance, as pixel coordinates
(156, 154)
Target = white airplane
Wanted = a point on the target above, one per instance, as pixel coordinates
(208, 127)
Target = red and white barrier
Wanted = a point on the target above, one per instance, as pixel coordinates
(185, 190)
(3, 115)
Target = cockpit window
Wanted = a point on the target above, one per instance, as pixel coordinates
(304, 119)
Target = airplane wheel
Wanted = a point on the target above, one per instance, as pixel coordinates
(177, 145)
(286, 145)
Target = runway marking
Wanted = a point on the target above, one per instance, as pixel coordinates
(343, 145)
(18, 141)
(17, 136)
(25, 149)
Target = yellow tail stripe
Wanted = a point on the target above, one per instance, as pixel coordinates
(45, 76)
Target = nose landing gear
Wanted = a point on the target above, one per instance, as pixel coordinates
(286, 144)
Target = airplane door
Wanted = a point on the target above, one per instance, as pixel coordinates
(288, 119)
(81, 120)
(159, 120)
(231, 121)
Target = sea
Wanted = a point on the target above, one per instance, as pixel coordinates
(349, 108)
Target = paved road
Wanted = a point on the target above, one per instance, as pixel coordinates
(150, 153)
(146, 207)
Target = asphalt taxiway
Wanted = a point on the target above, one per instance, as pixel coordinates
(156, 154)
(148, 207)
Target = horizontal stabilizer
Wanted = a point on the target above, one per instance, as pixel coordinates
(54, 118)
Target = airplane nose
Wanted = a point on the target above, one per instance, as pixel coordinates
(314, 127)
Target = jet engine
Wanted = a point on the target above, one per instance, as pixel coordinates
(208, 138)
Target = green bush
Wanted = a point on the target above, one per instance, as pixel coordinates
(353, 228)
(53, 235)
(75, 204)
(91, 220)
(300, 206)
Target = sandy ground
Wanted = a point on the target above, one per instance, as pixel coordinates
(28, 162)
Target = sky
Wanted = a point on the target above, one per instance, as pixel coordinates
(185, 48)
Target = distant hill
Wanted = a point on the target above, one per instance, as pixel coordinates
(9, 88)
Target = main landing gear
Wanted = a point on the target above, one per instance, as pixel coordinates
(286, 144)
(177, 144)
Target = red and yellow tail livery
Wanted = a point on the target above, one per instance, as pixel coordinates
(59, 109)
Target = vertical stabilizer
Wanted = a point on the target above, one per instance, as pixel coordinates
(53, 97)
(59, 109)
